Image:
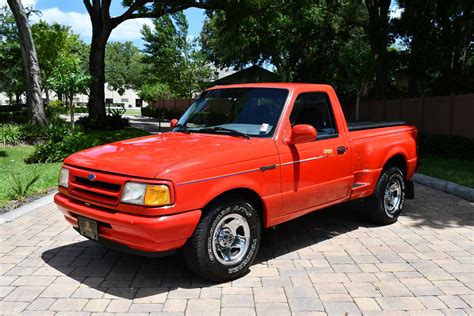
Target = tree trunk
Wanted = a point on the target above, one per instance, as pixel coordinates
(97, 71)
(30, 64)
(377, 33)
(71, 111)
(357, 114)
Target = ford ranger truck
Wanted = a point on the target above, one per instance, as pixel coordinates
(241, 159)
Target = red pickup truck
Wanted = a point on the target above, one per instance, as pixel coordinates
(241, 159)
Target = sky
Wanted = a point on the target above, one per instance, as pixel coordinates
(74, 14)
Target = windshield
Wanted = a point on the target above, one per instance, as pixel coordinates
(244, 111)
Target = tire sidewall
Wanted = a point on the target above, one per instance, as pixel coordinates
(386, 179)
(249, 213)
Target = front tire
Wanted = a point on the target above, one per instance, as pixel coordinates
(226, 240)
(385, 205)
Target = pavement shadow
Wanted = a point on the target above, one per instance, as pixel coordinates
(436, 209)
(133, 277)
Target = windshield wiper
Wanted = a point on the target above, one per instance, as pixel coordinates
(228, 131)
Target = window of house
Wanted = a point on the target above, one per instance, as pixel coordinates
(109, 101)
(124, 100)
(314, 109)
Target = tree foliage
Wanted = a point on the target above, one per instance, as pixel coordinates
(173, 58)
(124, 68)
(54, 42)
(358, 46)
(68, 78)
(11, 64)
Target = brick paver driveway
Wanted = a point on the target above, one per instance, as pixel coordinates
(327, 262)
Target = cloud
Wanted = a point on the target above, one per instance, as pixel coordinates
(129, 30)
(80, 23)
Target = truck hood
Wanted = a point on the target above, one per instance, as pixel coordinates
(146, 157)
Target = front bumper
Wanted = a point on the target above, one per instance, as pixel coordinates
(142, 234)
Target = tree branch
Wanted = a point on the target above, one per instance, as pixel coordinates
(126, 15)
(173, 7)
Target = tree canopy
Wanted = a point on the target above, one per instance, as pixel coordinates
(357, 46)
(173, 58)
(124, 68)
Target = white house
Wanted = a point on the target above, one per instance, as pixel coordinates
(129, 98)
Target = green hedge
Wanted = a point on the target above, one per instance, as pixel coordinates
(446, 146)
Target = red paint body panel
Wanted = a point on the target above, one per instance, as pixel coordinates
(295, 179)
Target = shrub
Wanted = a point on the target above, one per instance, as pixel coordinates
(32, 133)
(446, 146)
(10, 134)
(59, 146)
(111, 123)
(20, 186)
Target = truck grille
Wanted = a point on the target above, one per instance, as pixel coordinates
(98, 184)
(106, 189)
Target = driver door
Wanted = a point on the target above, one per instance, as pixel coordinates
(319, 172)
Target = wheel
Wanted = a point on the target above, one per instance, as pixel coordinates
(386, 204)
(225, 241)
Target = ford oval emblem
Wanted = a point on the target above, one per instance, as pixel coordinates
(91, 177)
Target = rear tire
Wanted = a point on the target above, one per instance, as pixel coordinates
(225, 241)
(386, 203)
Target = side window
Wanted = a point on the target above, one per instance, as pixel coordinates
(314, 109)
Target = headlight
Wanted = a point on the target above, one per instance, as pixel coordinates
(146, 194)
(64, 177)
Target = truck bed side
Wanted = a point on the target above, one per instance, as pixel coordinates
(374, 148)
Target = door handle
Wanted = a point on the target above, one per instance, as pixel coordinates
(341, 150)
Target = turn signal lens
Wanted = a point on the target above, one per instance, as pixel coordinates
(157, 195)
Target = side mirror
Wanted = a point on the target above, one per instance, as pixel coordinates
(301, 133)
(173, 123)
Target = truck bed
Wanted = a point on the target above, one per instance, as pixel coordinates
(361, 125)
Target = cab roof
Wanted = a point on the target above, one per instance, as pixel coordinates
(280, 85)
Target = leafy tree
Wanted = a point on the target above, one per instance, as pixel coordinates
(31, 68)
(306, 41)
(124, 68)
(103, 24)
(438, 35)
(154, 91)
(53, 41)
(11, 63)
(173, 57)
(68, 79)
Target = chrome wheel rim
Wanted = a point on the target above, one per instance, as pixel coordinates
(392, 196)
(231, 239)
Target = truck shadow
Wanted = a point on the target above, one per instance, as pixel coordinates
(133, 277)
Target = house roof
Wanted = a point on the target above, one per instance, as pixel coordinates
(249, 75)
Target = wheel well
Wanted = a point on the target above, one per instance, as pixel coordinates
(249, 195)
(397, 161)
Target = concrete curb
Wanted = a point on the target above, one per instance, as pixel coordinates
(27, 208)
(445, 186)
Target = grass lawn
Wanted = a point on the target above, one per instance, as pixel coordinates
(11, 162)
(459, 171)
(133, 111)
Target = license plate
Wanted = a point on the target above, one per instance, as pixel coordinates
(88, 228)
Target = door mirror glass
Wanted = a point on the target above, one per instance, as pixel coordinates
(301, 133)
